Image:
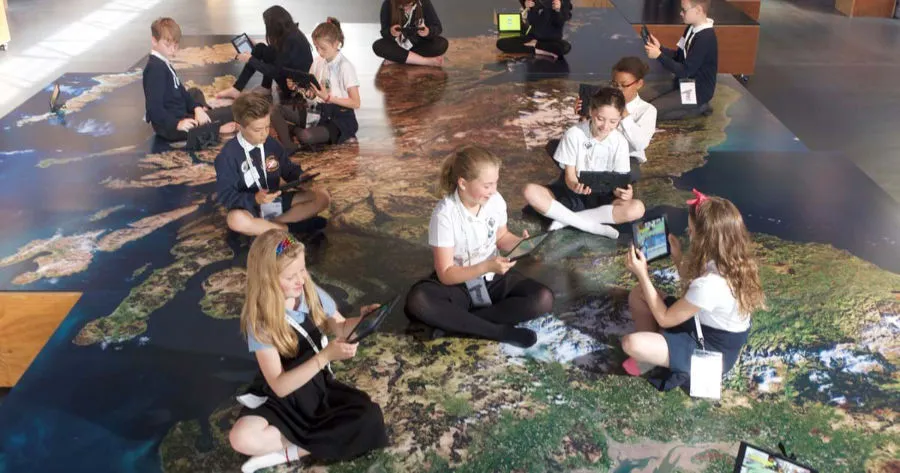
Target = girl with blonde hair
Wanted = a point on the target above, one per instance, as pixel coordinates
(720, 287)
(295, 407)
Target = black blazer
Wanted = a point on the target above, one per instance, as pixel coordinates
(701, 64)
(295, 53)
(428, 13)
(165, 103)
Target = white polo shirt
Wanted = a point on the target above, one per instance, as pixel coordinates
(579, 148)
(638, 127)
(339, 74)
(718, 306)
(472, 237)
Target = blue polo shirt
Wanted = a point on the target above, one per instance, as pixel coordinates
(299, 315)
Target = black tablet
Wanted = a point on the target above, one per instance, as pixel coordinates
(652, 237)
(55, 104)
(302, 78)
(203, 136)
(242, 43)
(370, 322)
(604, 182)
(411, 31)
(645, 34)
(304, 178)
(585, 92)
(752, 459)
(526, 246)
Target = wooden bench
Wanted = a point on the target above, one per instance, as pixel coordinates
(876, 8)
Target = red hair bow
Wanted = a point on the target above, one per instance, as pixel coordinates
(698, 200)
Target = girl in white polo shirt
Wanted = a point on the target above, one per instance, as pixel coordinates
(639, 118)
(590, 146)
(473, 290)
(722, 288)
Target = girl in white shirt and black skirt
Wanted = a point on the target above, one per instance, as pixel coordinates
(474, 290)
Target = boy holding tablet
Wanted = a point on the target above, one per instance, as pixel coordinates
(171, 109)
(249, 170)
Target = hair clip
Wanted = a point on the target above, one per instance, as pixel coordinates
(284, 245)
(698, 200)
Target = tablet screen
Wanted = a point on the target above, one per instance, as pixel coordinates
(758, 461)
(650, 238)
(242, 44)
(526, 246)
(509, 22)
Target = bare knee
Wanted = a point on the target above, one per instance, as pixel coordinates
(636, 210)
(239, 220)
(324, 198)
(536, 196)
(241, 439)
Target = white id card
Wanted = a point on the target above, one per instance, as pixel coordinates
(270, 210)
(478, 292)
(681, 44)
(706, 374)
(251, 175)
(688, 92)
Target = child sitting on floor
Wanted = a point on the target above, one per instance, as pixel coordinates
(249, 170)
(170, 109)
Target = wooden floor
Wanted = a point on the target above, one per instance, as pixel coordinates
(27, 320)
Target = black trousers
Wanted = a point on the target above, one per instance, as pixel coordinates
(515, 299)
(668, 105)
(264, 53)
(516, 45)
(222, 115)
(426, 47)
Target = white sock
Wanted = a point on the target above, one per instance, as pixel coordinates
(258, 462)
(565, 216)
(602, 214)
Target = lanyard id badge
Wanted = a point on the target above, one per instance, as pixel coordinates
(271, 210)
(299, 328)
(478, 292)
(688, 89)
(706, 370)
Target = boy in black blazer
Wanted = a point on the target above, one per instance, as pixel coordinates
(171, 109)
(695, 58)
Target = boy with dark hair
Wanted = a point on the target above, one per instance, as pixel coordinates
(171, 109)
(249, 170)
(695, 62)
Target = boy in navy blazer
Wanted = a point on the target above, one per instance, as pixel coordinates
(249, 170)
(171, 109)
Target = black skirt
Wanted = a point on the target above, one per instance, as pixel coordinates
(330, 420)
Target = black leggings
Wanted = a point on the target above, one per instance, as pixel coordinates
(264, 53)
(668, 106)
(516, 45)
(426, 47)
(516, 299)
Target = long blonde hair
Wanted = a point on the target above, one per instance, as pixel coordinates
(720, 236)
(263, 315)
(464, 162)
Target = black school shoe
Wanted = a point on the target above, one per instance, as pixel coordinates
(308, 226)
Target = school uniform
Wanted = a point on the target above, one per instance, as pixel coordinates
(514, 298)
(725, 329)
(295, 52)
(543, 24)
(696, 58)
(638, 128)
(329, 419)
(580, 149)
(398, 49)
(167, 102)
(237, 185)
(338, 76)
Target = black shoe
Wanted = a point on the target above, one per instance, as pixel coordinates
(706, 110)
(310, 225)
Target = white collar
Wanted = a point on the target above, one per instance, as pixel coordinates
(246, 144)
(162, 58)
(704, 26)
(636, 102)
(335, 60)
(464, 211)
(588, 133)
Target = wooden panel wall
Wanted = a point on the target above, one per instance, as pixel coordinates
(737, 44)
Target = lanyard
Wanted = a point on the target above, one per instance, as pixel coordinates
(262, 162)
(305, 334)
(699, 332)
(465, 226)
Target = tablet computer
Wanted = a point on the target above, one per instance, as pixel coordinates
(203, 136)
(304, 178)
(411, 31)
(242, 43)
(302, 78)
(585, 92)
(526, 246)
(370, 322)
(652, 237)
(645, 34)
(509, 24)
(752, 459)
(604, 182)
